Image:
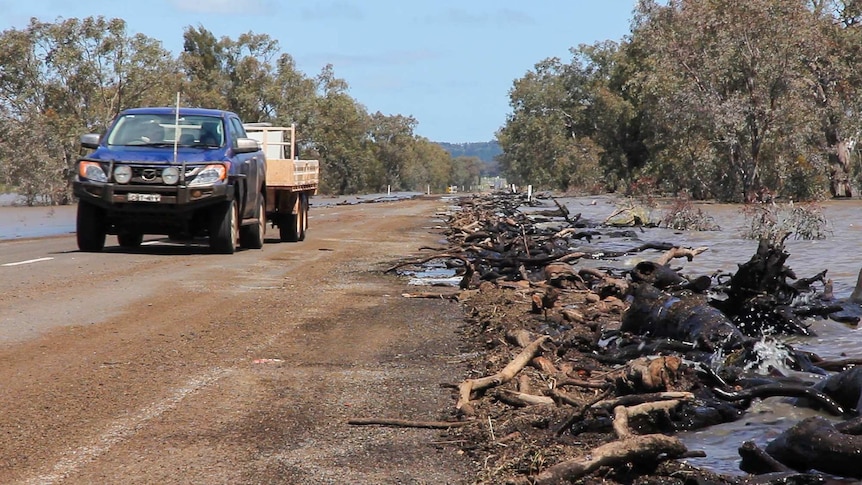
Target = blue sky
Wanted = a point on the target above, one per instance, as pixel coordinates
(448, 63)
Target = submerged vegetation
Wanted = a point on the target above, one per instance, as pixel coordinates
(682, 215)
(774, 222)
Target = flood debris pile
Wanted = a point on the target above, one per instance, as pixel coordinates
(585, 372)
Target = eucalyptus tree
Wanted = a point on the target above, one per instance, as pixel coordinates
(58, 80)
(727, 94)
(429, 167)
(339, 131)
(393, 140)
(540, 138)
(836, 77)
(293, 97)
(236, 75)
(466, 171)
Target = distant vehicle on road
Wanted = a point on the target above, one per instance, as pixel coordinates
(191, 172)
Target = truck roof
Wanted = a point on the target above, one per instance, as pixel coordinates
(160, 110)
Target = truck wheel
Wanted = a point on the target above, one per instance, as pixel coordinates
(130, 239)
(90, 228)
(252, 236)
(224, 228)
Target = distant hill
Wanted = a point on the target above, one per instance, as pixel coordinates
(485, 151)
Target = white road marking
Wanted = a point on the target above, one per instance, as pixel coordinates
(123, 429)
(18, 263)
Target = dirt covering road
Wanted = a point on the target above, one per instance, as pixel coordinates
(171, 365)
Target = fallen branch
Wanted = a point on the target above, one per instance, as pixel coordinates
(678, 252)
(635, 399)
(432, 296)
(623, 413)
(521, 399)
(507, 374)
(646, 448)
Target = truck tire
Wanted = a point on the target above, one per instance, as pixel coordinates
(130, 239)
(90, 228)
(251, 237)
(224, 228)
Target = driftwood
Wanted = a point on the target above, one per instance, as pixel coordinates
(520, 399)
(689, 319)
(635, 399)
(679, 252)
(756, 460)
(623, 413)
(629, 448)
(815, 443)
(817, 398)
(507, 374)
(572, 322)
(432, 296)
(646, 448)
(845, 388)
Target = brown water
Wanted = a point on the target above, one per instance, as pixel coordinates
(839, 254)
(18, 222)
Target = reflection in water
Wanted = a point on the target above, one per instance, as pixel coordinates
(838, 254)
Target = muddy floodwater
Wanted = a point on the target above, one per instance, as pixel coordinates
(839, 254)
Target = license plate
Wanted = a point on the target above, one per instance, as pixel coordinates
(144, 197)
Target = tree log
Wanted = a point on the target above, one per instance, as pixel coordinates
(646, 448)
(815, 443)
(757, 461)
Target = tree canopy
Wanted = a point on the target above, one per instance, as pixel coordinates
(722, 99)
(63, 79)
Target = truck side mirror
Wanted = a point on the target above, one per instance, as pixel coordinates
(246, 145)
(90, 140)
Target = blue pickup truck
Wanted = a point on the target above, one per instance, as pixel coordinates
(181, 172)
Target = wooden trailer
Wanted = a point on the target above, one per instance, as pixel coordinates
(290, 182)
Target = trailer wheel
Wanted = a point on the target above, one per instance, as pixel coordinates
(130, 239)
(288, 227)
(303, 213)
(252, 236)
(90, 228)
(224, 228)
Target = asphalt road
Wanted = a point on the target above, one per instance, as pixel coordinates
(169, 364)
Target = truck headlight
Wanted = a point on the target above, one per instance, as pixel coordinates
(208, 175)
(171, 175)
(92, 171)
(122, 174)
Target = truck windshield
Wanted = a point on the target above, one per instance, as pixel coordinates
(162, 130)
